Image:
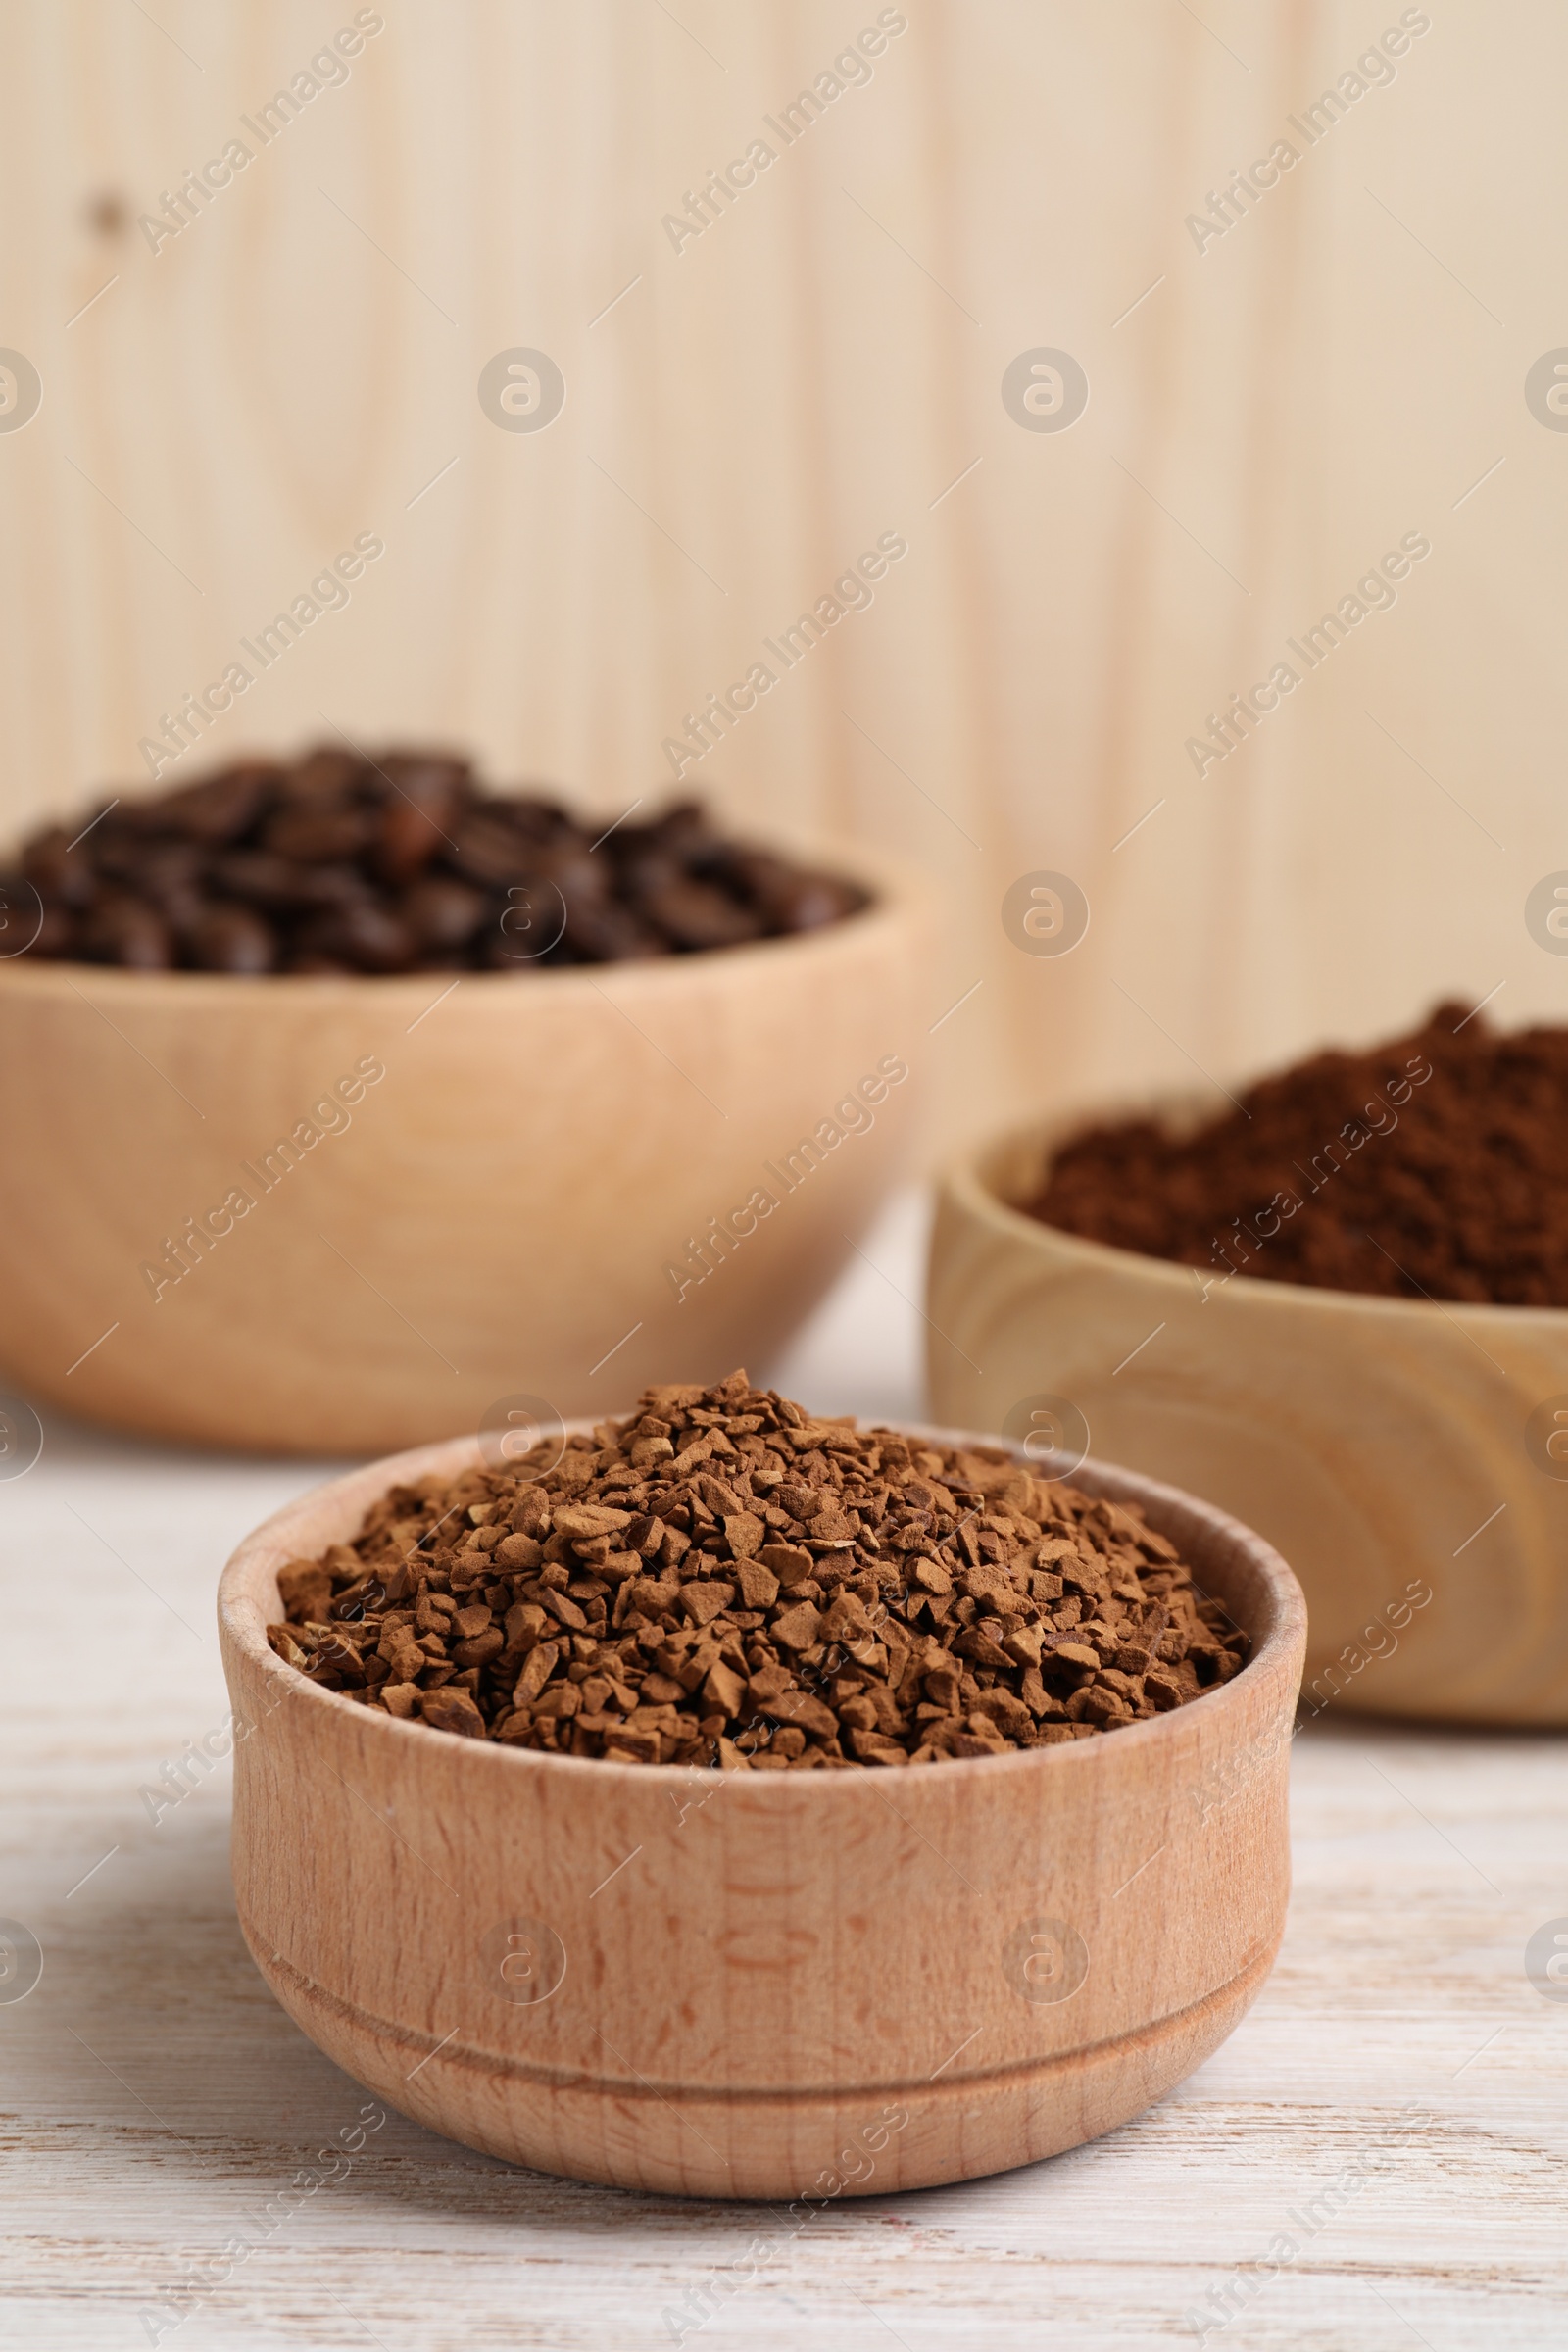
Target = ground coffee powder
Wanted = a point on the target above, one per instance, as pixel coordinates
(720, 1580)
(1430, 1166)
(402, 863)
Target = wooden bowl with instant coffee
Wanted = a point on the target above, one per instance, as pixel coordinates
(741, 1983)
(295, 1206)
(1407, 1453)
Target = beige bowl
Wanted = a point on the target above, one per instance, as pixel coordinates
(495, 1216)
(769, 1985)
(1382, 1444)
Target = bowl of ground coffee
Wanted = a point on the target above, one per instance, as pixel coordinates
(1340, 1309)
(723, 1802)
(346, 1100)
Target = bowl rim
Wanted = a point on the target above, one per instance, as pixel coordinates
(970, 1182)
(1289, 1628)
(897, 891)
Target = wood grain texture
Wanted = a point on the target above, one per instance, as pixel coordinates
(491, 1216)
(715, 1989)
(1380, 1444)
(155, 2097)
(1267, 416)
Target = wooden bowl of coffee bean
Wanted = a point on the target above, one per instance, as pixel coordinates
(564, 1818)
(1355, 1339)
(346, 1103)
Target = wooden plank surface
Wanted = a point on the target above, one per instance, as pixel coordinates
(1394, 2106)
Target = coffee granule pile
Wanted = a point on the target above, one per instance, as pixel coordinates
(340, 864)
(723, 1581)
(1429, 1166)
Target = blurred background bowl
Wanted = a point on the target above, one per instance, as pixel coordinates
(1401, 1453)
(491, 1223)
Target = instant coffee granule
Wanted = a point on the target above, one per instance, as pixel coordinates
(1430, 1166)
(723, 1581)
(338, 863)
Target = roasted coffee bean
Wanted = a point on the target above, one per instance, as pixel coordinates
(330, 886)
(644, 868)
(312, 835)
(259, 876)
(500, 948)
(604, 933)
(488, 852)
(231, 939)
(441, 912)
(409, 833)
(169, 872)
(217, 808)
(695, 915)
(128, 931)
(366, 937)
(562, 1601)
(347, 863)
(534, 819)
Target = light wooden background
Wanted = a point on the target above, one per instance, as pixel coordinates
(1341, 367)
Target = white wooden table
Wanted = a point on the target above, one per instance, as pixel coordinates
(1386, 2134)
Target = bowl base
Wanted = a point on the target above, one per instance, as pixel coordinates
(759, 2144)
